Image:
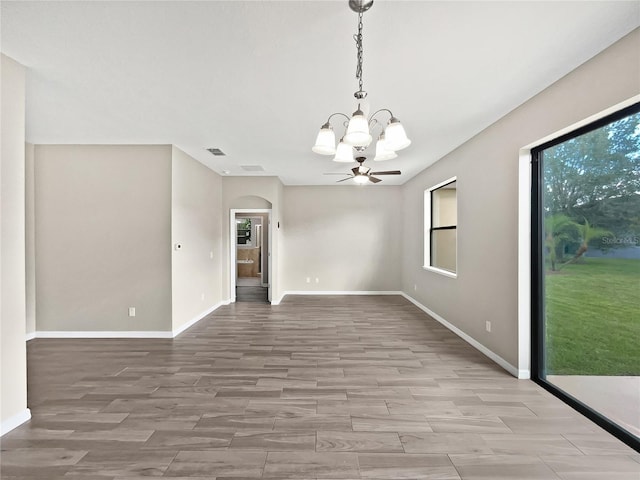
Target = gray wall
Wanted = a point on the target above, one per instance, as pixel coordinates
(348, 237)
(196, 223)
(103, 230)
(13, 383)
(487, 171)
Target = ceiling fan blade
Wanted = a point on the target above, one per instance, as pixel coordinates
(355, 170)
(388, 172)
(344, 179)
(334, 173)
(374, 180)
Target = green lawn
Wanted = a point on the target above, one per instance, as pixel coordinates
(593, 318)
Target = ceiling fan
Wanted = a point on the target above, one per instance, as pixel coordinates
(362, 174)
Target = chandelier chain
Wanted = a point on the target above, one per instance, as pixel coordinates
(358, 38)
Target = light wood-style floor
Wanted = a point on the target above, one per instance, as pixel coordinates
(318, 387)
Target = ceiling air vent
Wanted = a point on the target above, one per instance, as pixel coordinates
(252, 168)
(216, 151)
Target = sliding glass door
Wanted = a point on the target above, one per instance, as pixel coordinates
(586, 268)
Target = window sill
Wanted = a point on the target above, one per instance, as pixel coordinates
(446, 273)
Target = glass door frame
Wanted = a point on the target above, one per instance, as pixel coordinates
(537, 279)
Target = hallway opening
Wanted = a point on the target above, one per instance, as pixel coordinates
(250, 255)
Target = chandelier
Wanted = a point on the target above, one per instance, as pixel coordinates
(357, 136)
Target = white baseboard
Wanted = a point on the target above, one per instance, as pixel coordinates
(30, 336)
(341, 292)
(15, 421)
(522, 374)
(103, 334)
(199, 317)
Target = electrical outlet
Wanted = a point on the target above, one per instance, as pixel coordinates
(415, 287)
(211, 255)
(132, 311)
(308, 279)
(487, 325)
(317, 280)
(202, 296)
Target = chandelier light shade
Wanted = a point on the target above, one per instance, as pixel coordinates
(325, 141)
(358, 130)
(396, 137)
(344, 153)
(382, 152)
(358, 133)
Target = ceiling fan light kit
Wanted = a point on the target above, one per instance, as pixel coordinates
(361, 179)
(363, 175)
(357, 136)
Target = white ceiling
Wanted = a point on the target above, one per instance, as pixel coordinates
(257, 79)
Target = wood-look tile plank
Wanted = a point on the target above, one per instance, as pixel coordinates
(232, 463)
(557, 425)
(34, 458)
(81, 418)
(585, 466)
(315, 393)
(160, 421)
(444, 443)
(426, 408)
(314, 422)
(502, 467)
(390, 423)
(603, 444)
(197, 439)
(353, 407)
(123, 462)
(274, 440)
(406, 466)
(384, 393)
(495, 410)
(296, 465)
(115, 435)
(532, 444)
(348, 381)
(281, 407)
(252, 392)
(234, 422)
(331, 441)
(467, 424)
(27, 432)
(551, 408)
